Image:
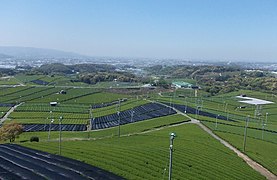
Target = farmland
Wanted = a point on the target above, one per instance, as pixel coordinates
(100, 111)
(261, 130)
(196, 155)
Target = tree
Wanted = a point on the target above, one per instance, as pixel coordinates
(10, 131)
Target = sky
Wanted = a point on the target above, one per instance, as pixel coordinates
(229, 30)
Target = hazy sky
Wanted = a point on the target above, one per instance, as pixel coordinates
(188, 29)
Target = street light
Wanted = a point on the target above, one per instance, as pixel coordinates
(60, 135)
(172, 136)
(51, 121)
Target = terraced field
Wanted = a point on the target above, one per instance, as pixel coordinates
(9, 81)
(18, 162)
(131, 103)
(196, 155)
(3, 111)
(97, 98)
(74, 107)
(195, 151)
(139, 113)
(55, 80)
(126, 129)
(261, 132)
(261, 151)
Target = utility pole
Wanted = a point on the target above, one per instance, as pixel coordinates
(172, 136)
(245, 132)
(60, 135)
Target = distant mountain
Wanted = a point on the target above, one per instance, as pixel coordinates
(4, 56)
(30, 52)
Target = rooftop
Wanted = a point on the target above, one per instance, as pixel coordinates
(254, 101)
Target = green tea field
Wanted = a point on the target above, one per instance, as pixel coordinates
(144, 144)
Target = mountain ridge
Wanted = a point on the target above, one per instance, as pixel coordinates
(31, 52)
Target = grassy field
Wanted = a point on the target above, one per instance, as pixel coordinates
(196, 155)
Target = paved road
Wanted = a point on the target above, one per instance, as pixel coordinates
(17, 162)
(9, 112)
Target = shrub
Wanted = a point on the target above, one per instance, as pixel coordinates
(34, 138)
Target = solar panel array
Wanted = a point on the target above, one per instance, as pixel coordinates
(139, 113)
(54, 127)
(147, 111)
(190, 110)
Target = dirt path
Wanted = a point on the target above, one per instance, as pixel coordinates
(253, 164)
(256, 166)
(9, 112)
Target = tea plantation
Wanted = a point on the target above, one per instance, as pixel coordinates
(196, 155)
(141, 151)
